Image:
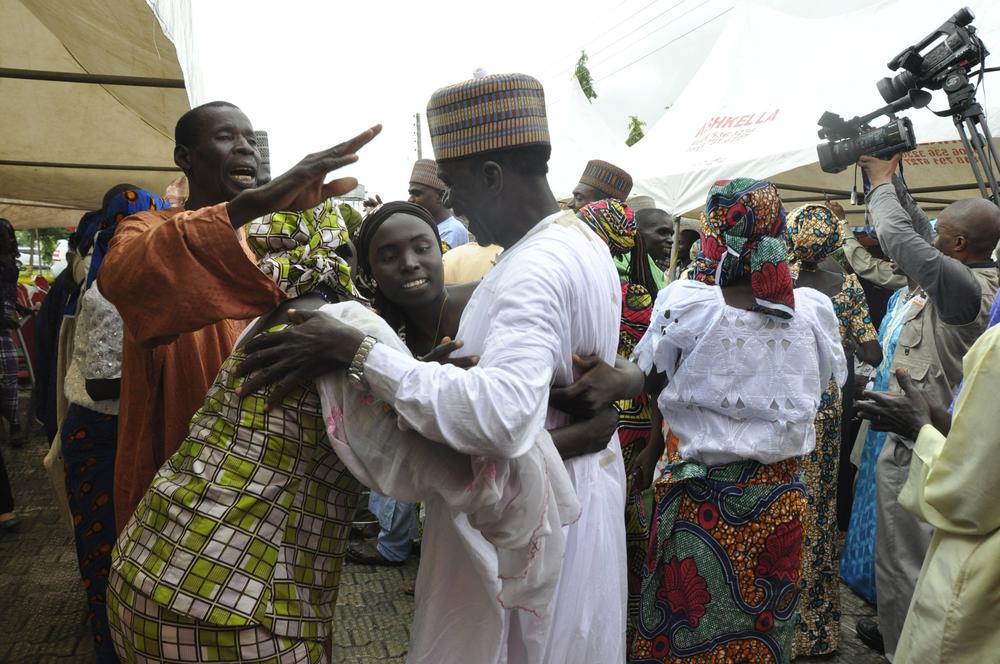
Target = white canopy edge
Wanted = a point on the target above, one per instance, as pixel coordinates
(752, 109)
(58, 138)
(25, 215)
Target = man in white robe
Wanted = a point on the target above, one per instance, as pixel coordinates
(553, 293)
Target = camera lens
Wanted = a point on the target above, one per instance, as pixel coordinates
(892, 88)
(897, 136)
(827, 160)
(963, 17)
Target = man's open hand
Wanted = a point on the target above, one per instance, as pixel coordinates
(880, 171)
(443, 351)
(315, 344)
(904, 414)
(302, 187)
(598, 386)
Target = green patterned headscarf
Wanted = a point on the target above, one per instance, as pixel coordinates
(298, 250)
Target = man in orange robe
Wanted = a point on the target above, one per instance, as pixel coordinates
(185, 284)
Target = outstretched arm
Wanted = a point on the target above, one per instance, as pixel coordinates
(868, 267)
(168, 275)
(303, 186)
(949, 283)
(493, 409)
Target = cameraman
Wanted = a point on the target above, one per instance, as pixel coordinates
(957, 282)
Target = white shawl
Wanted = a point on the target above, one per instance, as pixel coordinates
(518, 505)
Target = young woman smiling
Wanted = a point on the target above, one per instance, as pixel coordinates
(399, 267)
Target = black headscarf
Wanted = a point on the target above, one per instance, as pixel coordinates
(362, 243)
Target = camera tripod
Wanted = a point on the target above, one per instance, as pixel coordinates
(970, 121)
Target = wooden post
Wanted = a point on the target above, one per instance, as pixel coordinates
(672, 271)
(420, 141)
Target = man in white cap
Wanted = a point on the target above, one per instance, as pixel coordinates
(427, 191)
(553, 295)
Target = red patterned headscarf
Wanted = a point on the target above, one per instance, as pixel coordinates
(613, 221)
(743, 233)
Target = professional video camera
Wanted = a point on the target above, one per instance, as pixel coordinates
(946, 67)
(849, 139)
(959, 50)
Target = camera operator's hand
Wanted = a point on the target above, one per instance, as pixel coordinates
(880, 171)
(837, 209)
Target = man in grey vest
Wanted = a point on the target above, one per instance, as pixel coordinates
(958, 281)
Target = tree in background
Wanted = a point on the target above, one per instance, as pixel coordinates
(635, 132)
(583, 77)
(48, 238)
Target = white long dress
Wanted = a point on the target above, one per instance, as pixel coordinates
(519, 505)
(553, 294)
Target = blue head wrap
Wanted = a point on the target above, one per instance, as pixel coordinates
(124, 204)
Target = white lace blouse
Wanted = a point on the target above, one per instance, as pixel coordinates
(97, 350)
(741, 384)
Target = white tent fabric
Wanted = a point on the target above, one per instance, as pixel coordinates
(33, 214)
(753, 106)
(353, 77)
(82, 123)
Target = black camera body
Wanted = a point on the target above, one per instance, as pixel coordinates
(960, 49)
(944, 66)
(849, 141)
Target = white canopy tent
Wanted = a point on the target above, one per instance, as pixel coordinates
(333, 81)
(89, 94)
(752, 108)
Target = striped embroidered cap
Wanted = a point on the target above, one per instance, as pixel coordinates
(262, 146)
(641, 203)
(607, 178)
(425, 172)
(495, 112)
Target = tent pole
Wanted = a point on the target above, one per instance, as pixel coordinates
(97, 79)
(946, 187)
(842, 193)
(94, 167)
(672, 270)
(812, 199)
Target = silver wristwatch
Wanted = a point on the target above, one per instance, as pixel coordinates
(356, 372)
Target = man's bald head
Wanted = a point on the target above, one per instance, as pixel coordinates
(968, 230)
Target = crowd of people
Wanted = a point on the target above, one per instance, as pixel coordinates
(609, 439)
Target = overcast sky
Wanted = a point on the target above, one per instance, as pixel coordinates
(313, 73)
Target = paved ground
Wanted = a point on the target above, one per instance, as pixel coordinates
(42, 612)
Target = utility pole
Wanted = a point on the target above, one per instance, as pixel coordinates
(420, 152)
